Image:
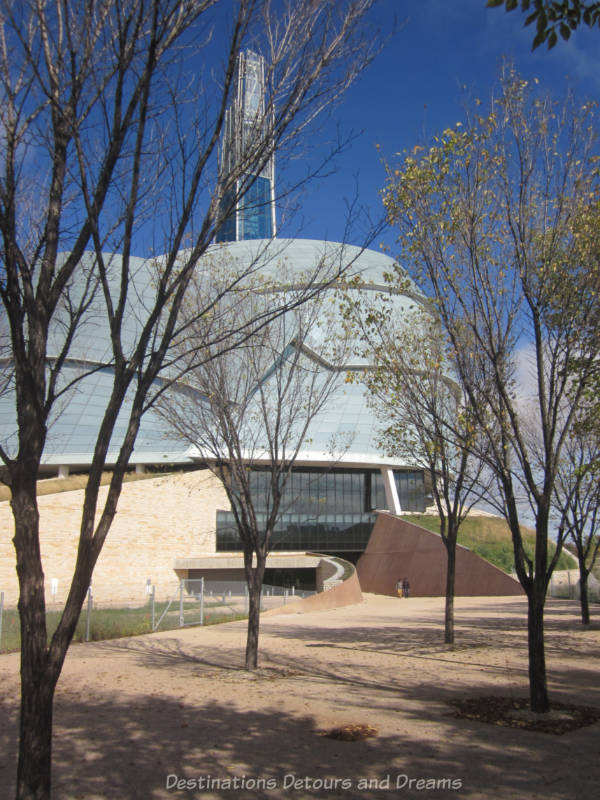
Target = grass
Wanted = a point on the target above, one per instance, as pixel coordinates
(349, 568)
(117, 623)
(105, 623)
(218, 618)
(73, 482)
(490, 538)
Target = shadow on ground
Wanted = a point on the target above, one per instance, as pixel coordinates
(108, 749)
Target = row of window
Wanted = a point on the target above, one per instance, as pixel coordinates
(318, 536)
(310, 491)
(323, 511)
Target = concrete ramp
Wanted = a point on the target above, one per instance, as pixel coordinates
(399, 549)
(342, 593)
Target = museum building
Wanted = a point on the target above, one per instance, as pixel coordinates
(331, 499)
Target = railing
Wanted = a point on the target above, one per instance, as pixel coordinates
(202, 602)
(190, 602)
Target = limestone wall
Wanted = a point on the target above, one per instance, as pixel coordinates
(157, 521)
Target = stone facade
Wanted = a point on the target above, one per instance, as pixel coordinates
(157, 521)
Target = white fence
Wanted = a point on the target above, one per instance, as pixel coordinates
(199, 602)
(190, 602)
(565, 584)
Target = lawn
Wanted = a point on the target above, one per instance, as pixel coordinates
(489, 537)
(79, 481)
(115, 623)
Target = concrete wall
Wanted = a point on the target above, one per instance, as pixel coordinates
(347, 593)
(325, 569)
(399, 549)
(214, 575)
(157, 521)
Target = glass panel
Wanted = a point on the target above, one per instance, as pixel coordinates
(226, 232)
(411, 490)
(253, 87)
(255, 211)
(323, 512)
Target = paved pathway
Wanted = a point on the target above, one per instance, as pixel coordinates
(137, 715)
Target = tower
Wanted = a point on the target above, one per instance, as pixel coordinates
(252, 214)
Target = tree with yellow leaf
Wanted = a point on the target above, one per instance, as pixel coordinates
(424, 417)
(497, 221)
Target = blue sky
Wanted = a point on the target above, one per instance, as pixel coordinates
(414, 89)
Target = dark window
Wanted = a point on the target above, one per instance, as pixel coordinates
(378, 498)
(226, 232)
(255, 211)
(324, 511)
(411, 490)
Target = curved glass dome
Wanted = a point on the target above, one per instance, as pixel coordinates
(281, 265)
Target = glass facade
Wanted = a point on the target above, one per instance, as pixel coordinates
(252, 218)
(411, 490)
(324, 511)
(255, 211)
(227, 231)
(246, 126)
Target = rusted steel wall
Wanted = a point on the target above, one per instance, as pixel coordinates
(399, 549)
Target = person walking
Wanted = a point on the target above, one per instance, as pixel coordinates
(405, 588)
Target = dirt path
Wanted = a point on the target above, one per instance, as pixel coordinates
(137, 715)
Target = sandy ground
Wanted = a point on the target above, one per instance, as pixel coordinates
(134, 716)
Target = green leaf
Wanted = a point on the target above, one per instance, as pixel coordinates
(494, 3)
(542, 22)
(531, 18)
(565, 31)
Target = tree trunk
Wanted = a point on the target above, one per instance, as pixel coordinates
(538, 690)
(450, 579)
(37, 682)
(40, 665)
(583, 594)
(35, 734)
(254, 577)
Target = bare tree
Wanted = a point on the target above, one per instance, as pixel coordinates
(249, 413)
(110, 121)
(420, 407)
(577, 498)
(498, 219)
